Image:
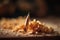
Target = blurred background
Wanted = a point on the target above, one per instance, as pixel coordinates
(36, 8)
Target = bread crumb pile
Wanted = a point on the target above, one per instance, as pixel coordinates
(7, 25)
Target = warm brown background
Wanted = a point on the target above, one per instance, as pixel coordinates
(38, 8)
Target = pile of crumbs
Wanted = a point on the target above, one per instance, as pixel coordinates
(7, 25)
